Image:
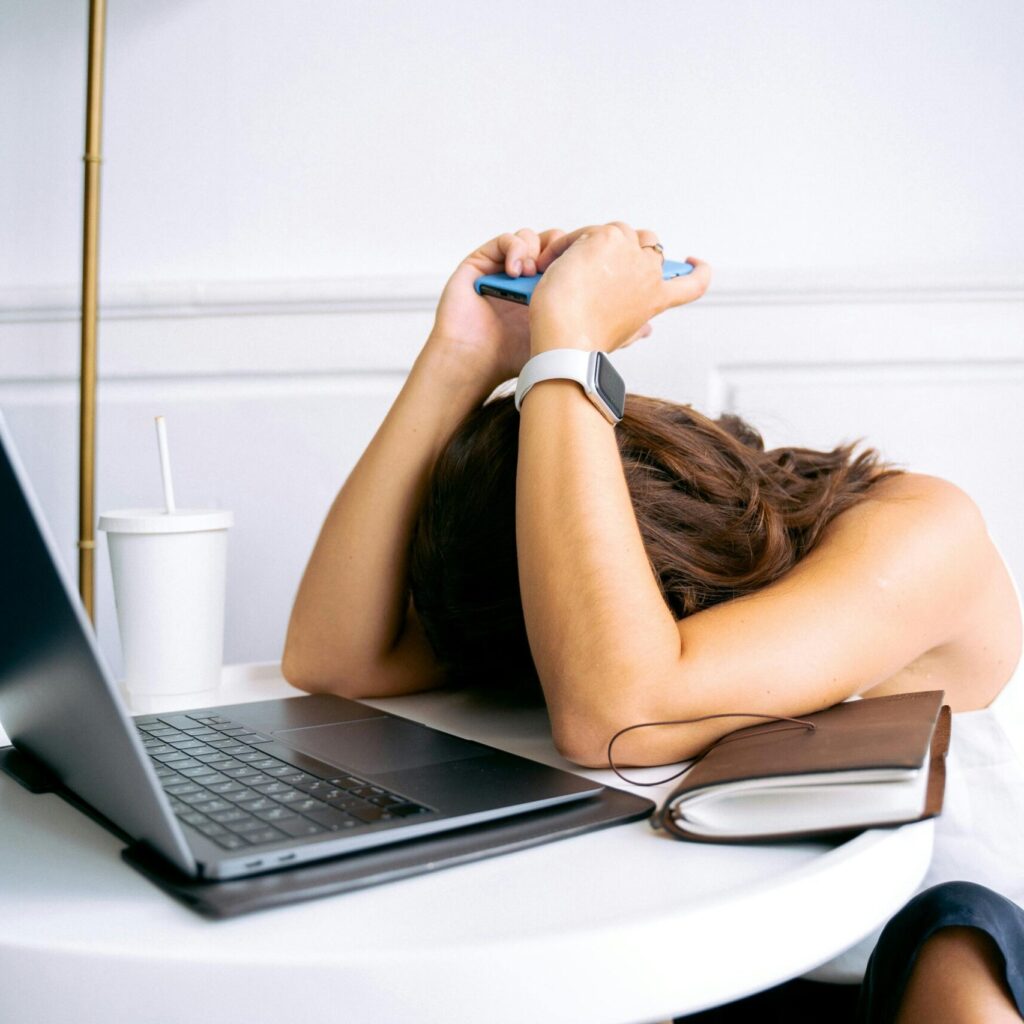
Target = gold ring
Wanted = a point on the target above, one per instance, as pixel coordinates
(657, 247)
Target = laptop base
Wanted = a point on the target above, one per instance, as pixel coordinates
(230, 898)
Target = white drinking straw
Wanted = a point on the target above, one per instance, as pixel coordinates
(165, 464)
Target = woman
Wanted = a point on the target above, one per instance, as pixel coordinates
(833, 576)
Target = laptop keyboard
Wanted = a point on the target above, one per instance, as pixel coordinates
(222, 783)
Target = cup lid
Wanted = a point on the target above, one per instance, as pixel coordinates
(156, 520)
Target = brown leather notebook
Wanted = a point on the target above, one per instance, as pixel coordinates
(864, 764)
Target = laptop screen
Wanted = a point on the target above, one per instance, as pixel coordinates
(57, 700)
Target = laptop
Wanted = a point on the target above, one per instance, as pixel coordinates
(229, 791)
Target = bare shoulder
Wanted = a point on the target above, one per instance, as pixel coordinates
(928, 540)
(928, 496)
(925, 524)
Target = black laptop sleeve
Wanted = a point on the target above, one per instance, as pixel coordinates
(229, 898)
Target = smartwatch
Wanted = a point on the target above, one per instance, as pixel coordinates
(600, 380)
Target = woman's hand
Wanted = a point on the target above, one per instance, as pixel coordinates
(601, 286)
(490, 337)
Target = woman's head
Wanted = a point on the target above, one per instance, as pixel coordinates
(720, 517)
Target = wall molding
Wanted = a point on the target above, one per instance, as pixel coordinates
(401, 293)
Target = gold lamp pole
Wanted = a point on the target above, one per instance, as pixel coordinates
(90, 302)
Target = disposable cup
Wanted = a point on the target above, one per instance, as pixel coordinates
(169, 573)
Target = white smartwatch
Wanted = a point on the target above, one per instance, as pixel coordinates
(600, 380)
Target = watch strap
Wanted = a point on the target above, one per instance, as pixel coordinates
(556, 364)
(593, 371)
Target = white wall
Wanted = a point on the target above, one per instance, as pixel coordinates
(286, 186)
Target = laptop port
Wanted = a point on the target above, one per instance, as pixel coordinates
(285, 857)
(254, 863)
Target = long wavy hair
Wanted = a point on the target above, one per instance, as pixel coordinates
(719, 515)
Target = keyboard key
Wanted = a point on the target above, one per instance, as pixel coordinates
(228, 786)
(300, 827)
(231, 730)
(257, 780)
(347, 802)
(189, 762)
(177, 721)
(213, 757)
(211, 828)
(369, 813)
(334, 820)
(252, 737)
(229, 841)
(272, 788)
(276, 813)
(251, 755)
(241, 773)
(221, 743)
(181, 788)
(233, 749)
(283, 771)
(303, 777)
(290, 797)
(209, 780)
(263, 835)
(307, 805)
(192, 817)
(198, 771)
(310, 785)
(189, 745)
(213, 804)
(265, 762)
(248, 824)
(157, 747)
(195, 748)
(367, 792)
(174, 755)
(225, 817)
(408, 809)
(259, 803)
(347, 782)
(386, 800)
(195, 798)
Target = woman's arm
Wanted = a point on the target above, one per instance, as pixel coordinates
(352, 628)
(887, 584)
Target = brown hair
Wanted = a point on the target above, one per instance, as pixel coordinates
(720, 517)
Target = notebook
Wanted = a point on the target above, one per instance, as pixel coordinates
(861, 764)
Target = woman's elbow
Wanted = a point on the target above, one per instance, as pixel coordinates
(304, 674)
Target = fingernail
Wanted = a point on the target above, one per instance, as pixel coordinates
(517, 266)
(530, 268)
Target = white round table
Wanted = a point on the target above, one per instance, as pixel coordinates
(622, 925)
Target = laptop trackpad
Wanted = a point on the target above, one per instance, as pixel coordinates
(378, 745)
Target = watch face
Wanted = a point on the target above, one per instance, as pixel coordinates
(610, 386)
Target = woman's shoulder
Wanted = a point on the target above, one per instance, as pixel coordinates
(922, 524)
(931, 499)
(931, 537)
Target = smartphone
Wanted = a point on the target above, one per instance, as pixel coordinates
(520, 289)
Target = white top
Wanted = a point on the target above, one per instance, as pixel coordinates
(979, 837)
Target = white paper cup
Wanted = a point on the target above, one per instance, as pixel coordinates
(169, 578)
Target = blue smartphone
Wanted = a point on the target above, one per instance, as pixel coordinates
(520, 289)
